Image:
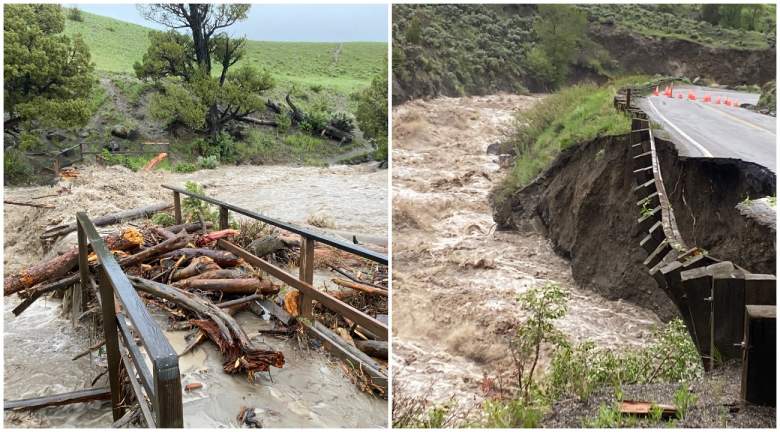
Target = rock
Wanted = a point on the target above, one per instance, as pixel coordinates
(56, 136)
(120, 131)
(84, 133)
(266, 246)
(494, 149)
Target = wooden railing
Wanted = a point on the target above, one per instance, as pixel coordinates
(119, 303)
(303, 282)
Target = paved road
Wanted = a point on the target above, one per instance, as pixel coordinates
(709, 130)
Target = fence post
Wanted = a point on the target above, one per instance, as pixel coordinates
(167, 393)
(176, 207)
(80, 290)
(306, 273)
(112, 342)
(223, 217)
(628, 98)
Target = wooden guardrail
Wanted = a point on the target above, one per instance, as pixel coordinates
(303, 282)
(728, 311)
(120, 303)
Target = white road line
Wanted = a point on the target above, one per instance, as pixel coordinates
(701, 148)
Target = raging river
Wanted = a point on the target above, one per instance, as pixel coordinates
(312, 390)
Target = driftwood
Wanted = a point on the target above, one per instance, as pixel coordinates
(222, 258)
(230, 286)
(62, 264)
(161, 248)
(201, 335)
(189, 227)
(197, 266)
(368, 289)
(233, 273)
(240, 354)
(60, 399)
(26, 204)
(352, 277)
(373, 348)
(299, 116)
(89, 350)
(164, 233)
(216, 235)
(108, 219)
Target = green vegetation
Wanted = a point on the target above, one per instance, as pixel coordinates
(471, 49)
(48, 76)
(163, 219)
(574, 115)
(372, 114)
(116, 45)
(730, 26)
(768, 98)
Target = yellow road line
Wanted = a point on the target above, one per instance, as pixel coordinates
(753, 125)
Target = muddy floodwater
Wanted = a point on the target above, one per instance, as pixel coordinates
(312, 390)
(455, 279)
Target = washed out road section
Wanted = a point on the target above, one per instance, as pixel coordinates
(702, 129)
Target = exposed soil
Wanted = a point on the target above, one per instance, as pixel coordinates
(717, 404)
(639, 54)
(456, 280)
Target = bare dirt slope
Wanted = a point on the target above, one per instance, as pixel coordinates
(456, 280)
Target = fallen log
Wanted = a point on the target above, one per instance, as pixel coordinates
(197, 266)
(337, 134)
(201, 335)
(60, 399)
(164, 233)
(222, 258)
(260, 122)
(152, 163)
(373, 348)
(240, 354)
(109, 219)
(239, 301)
(352, 277)
(26, 204)
(230, 286)
(62, 264)
(273, 106)
(368, 289)
(159, 249)
(234, 273)
(189, 227)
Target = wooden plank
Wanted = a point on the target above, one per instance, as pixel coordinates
(276, 311)
(223, 218)
(728, 309)
(86, 395)
(697, 288)
(139, 394)
(306, 274)
(177, 208)
(112, 343)
(760, 289)
(759, 365)
(138, 360)
(326, 300)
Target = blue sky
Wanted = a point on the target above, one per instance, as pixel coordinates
(290, 22)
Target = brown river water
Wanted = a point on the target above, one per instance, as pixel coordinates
(311, 390)
(455, 279)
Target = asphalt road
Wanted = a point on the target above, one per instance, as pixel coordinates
(709, 130)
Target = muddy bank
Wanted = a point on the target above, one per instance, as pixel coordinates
(456, 280)
(585, 205)
(717, 404)
(312, 390)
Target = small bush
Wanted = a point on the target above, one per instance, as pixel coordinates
(316, 88)
(185, 167)
(74, 14)
(510, 414)
(163, 219)
(283, 122)
(17, 168)
(209, 162)
(343, 121)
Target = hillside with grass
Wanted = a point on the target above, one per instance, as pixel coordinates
(469, 49)
(345, 67)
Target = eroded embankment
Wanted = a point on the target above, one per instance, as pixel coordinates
(455, 280)
(584, 202)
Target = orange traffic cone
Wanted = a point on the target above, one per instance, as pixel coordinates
(717, 101)
(691, 95)
(728, 102)
(706, 99)
(655, 92)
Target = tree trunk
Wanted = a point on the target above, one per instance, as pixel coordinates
(109, 219)
(62, 264)
(234, 273)
(230, 286)
(222, 258)
(177, 242)
(368, 289)
(373, 348)
(197, 266)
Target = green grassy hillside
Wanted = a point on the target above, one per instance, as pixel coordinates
(115, 45)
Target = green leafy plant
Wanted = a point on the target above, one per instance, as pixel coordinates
(209, 162)
(683, 400)
(162, 219)
(193, 208)
(185, 167)
(510, 414)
